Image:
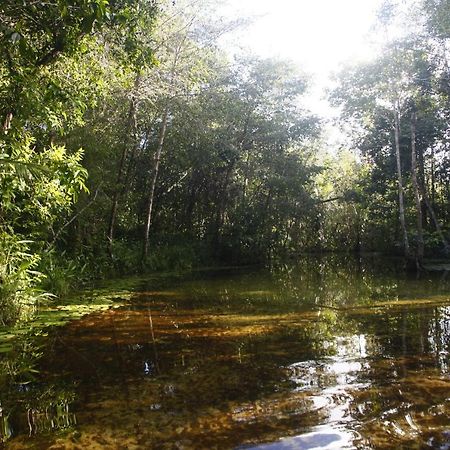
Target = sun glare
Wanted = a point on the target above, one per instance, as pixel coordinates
(319, 36)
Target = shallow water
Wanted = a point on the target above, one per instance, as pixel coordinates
(324, 353)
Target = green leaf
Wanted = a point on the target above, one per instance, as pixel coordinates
(6, 348)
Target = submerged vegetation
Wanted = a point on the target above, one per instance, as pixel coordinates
(135, 143)
(333, 349)
(131, 142)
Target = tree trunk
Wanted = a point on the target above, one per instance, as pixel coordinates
(421, 181)
(436, 224)
(400, 185)
(433, 180)
(7, 122)
(267, 205)
(246, 168)
(157, 160)
(131, 125)
(420, 243)
(195, 187)
(159, 148)
(222, 198)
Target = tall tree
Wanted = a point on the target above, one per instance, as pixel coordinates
(382, 93)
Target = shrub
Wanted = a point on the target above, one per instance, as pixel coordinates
(19, 295)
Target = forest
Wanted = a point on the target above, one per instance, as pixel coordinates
(132, 142)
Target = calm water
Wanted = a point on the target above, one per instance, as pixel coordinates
(322, 353)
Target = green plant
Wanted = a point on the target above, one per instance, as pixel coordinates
(62, 273)
(19, 279)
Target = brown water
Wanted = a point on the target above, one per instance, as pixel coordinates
(319, 354)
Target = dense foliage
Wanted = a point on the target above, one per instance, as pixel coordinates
(397, 107)
(131, 142)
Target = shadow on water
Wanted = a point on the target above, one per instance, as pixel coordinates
(323, 353)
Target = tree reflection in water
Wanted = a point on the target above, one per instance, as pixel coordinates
(340, 354)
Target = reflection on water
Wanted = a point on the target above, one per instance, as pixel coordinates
(324, 438)
(320, 354)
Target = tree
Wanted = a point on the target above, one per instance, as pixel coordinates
(51, 72)
(383, 94)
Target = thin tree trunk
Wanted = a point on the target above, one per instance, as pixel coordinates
(246, 176)
(421, 180)
(221, 199)
(159, 149)
(267, 205)
(433, 180)
(7, 122)
(131, 124)
(157, 160)
(420, 243)
(241, 147)
(195, 187)
(400, 185)
(436, 224)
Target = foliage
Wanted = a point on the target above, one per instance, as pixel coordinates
(341, 214)
(62, 273)
(405, 79)
(194, 156)
(19, 279)
(37, 188)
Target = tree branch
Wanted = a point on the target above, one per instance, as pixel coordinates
(72, 219)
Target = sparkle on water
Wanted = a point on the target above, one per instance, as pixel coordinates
(322, 354)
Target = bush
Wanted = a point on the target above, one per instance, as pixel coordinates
(62, 273)
(19, 293)
(176, 256)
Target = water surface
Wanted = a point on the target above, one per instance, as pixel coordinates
(321, 353)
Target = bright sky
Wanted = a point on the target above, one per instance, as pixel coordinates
(318, 35)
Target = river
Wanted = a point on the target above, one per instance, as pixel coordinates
(325, 352)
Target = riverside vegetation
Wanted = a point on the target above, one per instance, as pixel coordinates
(131, 142)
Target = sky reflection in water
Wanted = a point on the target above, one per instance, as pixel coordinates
(321, 354)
